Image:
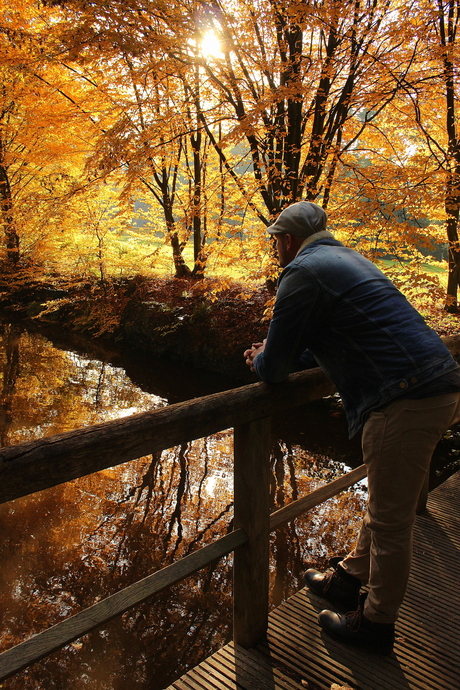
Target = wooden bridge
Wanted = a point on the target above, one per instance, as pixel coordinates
(293, 655)
(296, 656)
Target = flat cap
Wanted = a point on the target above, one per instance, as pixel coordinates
(302, 219)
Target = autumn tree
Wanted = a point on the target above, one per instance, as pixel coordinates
(293, 78)
(295, 86)
(148, 132)
(45, 130)
(432, 93)
(407, 180)
(283, 95)
(12, 38)
(296, 100)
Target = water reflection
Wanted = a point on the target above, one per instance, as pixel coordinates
(67, 547)
(47, 390)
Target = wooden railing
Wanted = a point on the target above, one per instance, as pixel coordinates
(37, 465)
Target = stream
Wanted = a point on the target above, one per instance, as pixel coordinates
(65, 548)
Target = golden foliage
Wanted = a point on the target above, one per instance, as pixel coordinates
(127, 145)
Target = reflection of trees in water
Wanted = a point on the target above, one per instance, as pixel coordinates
(311, 539)
(10, 334)
(46, 390)
(69, 546)
(65, 548)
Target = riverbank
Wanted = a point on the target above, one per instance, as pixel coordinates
(207, 324)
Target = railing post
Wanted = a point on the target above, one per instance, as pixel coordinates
(252, 445)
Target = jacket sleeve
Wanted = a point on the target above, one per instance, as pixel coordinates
(296, 315)
(307, 360)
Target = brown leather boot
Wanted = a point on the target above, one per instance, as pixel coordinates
(335, 585)
(355, 629)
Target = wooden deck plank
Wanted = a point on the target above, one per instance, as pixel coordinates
(323, 659)
(297, 655)
(209, 678)
(187, 684)
(308, 656)
(256, 664)
(247, 669)
(235, 676)
(414, 628)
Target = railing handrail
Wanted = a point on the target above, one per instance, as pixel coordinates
(36, 465)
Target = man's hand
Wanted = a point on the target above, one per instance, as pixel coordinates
(252, 352)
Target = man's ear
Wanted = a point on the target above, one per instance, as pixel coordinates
(289, 240)
(293, 242)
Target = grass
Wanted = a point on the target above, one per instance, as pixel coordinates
(438, 267)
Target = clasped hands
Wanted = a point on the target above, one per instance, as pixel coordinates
(251, 353)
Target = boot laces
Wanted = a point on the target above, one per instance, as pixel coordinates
(354, 619)
(328, 580)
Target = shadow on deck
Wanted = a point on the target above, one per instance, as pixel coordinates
(297, 656)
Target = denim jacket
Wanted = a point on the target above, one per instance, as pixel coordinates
(336, 309)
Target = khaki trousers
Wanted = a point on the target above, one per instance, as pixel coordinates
(398, 443)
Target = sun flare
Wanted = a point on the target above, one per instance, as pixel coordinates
(210, 45)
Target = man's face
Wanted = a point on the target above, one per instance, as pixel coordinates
(281, 248)
(285, 249)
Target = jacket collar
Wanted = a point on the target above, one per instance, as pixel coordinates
(323, 234)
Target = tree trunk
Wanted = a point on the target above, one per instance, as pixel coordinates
(447, 33)
(198, 240)
(451, 304)
(181, 268)
(11, 367)
(6, 204)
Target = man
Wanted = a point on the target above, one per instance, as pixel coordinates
(398, 383)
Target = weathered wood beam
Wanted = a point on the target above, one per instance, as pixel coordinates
(251, 474)
(315, 498)
(46, 462)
